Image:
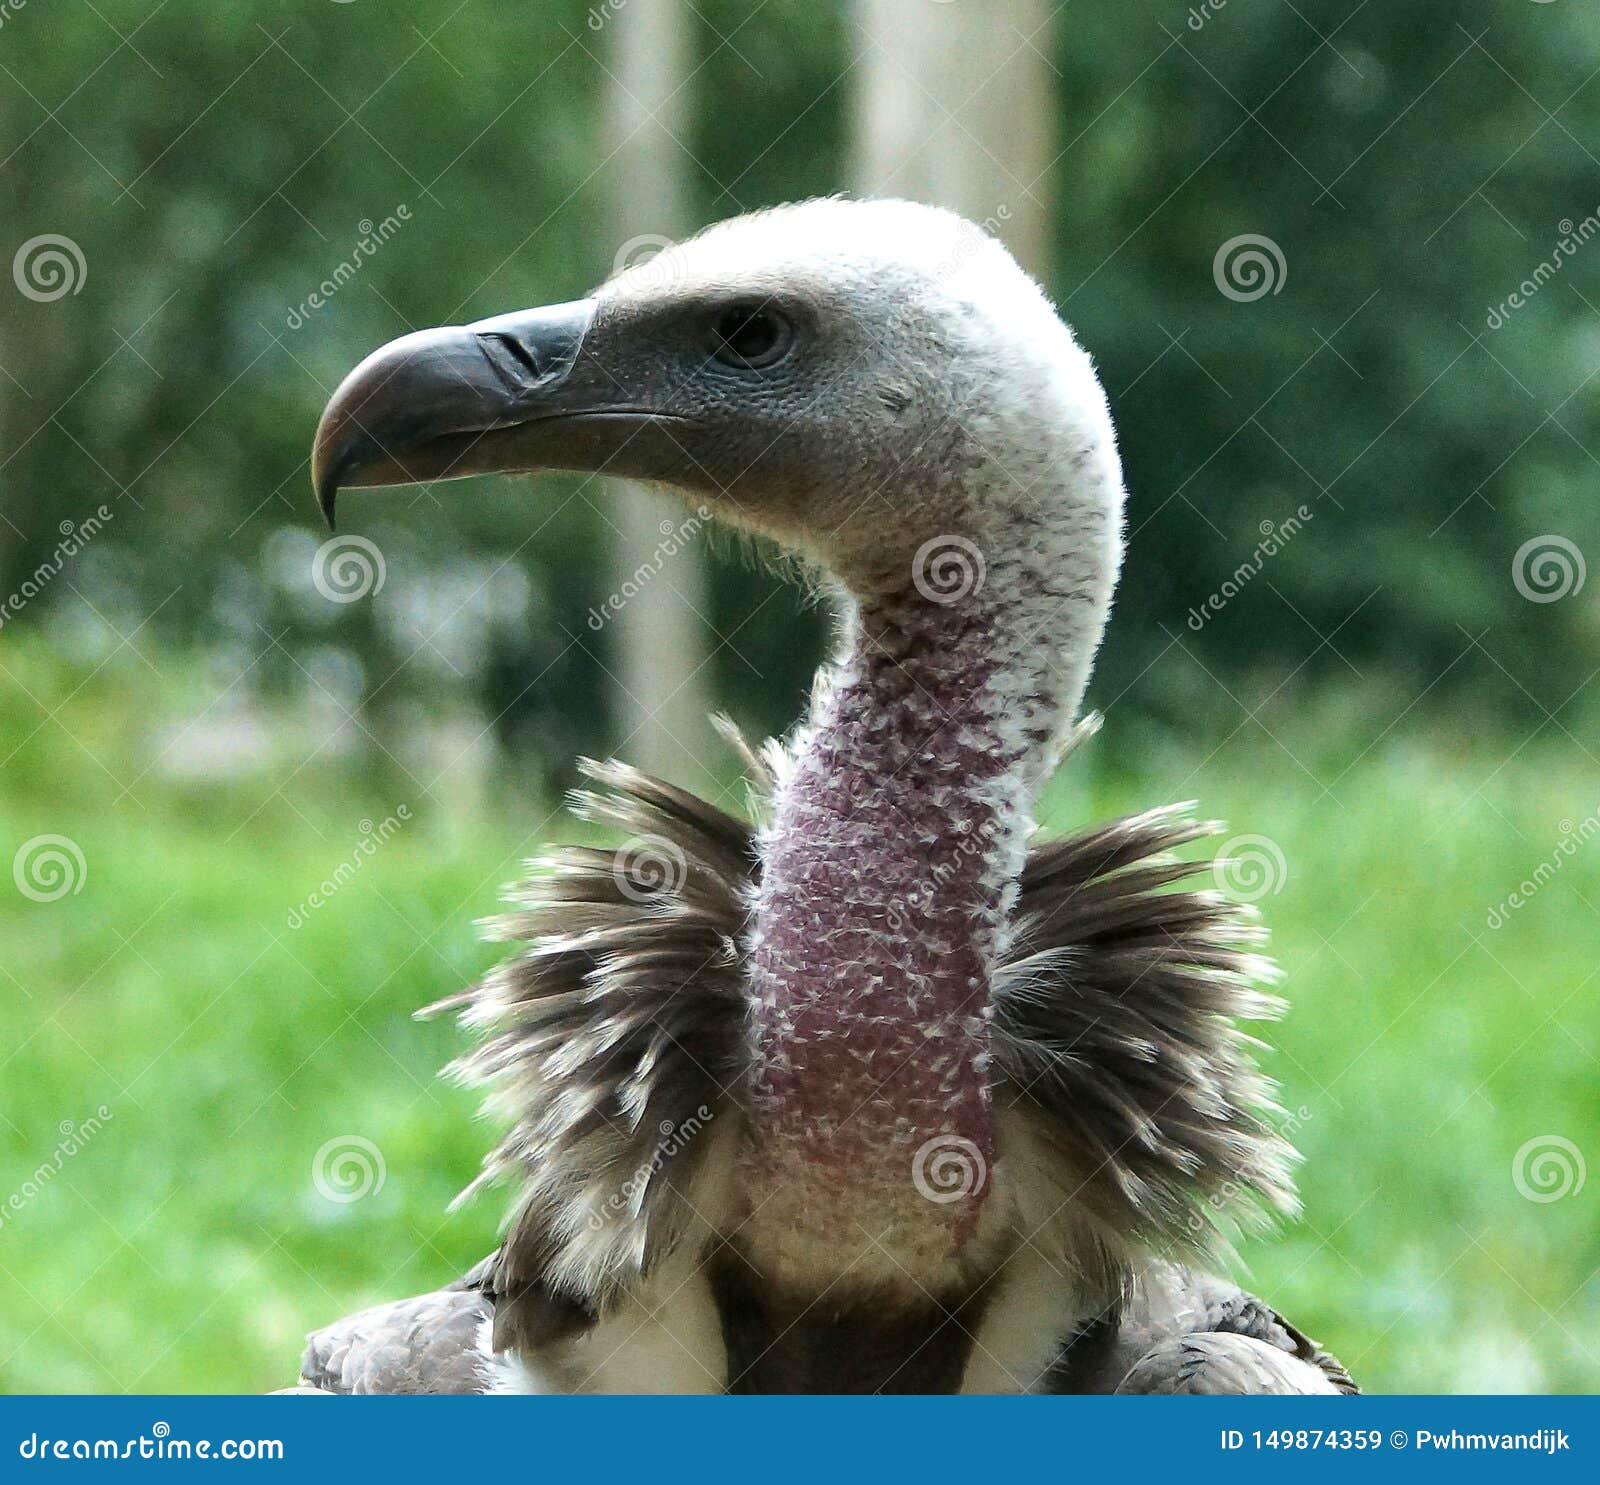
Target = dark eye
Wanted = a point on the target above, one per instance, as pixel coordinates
(750, 336)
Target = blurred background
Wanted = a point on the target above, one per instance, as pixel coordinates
(1336, 264)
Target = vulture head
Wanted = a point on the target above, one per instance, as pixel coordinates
(851, 379)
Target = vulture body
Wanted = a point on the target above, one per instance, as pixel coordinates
(879, 1093)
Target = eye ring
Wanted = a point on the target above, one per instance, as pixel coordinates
(751, 335)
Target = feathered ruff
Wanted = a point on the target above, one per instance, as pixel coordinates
(1115, 1024)
(617, 1044)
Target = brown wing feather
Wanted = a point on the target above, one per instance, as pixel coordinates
(1115, 1024)
(1181, 1330)
(613, 1039)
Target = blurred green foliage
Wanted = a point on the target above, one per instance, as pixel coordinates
(215, 166)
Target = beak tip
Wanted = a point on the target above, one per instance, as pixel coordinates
(330, 466)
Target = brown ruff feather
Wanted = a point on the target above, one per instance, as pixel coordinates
(616, 1042)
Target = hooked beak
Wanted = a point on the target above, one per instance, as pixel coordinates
(509, 394)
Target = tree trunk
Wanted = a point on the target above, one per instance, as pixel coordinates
(954, 105)
(659, 634)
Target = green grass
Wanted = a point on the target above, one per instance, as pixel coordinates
(185, 1246)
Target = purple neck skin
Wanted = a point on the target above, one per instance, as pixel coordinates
(890, 865)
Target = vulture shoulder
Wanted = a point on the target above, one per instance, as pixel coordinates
(433, 1343)
(1183, 1332)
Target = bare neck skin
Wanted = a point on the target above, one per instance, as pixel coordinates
(890, 868)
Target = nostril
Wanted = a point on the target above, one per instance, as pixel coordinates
(511, 349)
